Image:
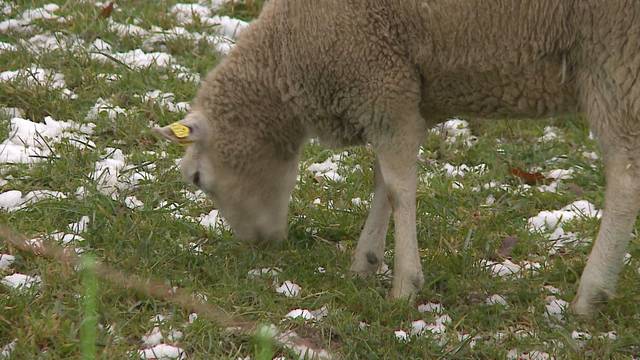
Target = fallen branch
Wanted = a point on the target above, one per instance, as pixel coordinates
(304, 347)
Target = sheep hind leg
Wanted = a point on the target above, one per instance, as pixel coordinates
(369, 254)
(622, 203)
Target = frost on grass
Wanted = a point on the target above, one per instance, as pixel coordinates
(20, 281)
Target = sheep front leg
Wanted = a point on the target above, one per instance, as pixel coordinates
(622, 203)
(369, 252)
(397, 159)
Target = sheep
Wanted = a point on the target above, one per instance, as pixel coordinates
(381, 72)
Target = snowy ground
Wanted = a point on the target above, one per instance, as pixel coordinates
(79, 166)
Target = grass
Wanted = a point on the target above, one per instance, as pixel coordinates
(455, 229)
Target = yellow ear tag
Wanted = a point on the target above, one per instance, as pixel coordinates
(181, 132)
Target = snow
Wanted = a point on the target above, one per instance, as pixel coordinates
(126, 30)
(104, 107)
(463, 169)
(300, 313)
(164, 99)
(454, 131)
(6, 260)
(163, 352)
(501, 269)
(289, 289)
(133, 203)
(137, 59)
(555, 308)
(549, 220)
(24, 24)
(6, 350)
(431, 307)
(29, 142)
(80, 226)
(4, 47)
(10, 199)
(154, 337)
(212, 220)
(272, 271)
(35, 75)
(496, 299)
(514, 354)
(401, 335)
(20, 281)
(550, 133)
(327, 169)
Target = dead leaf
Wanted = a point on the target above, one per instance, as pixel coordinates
(529, 178)
(106, 11)
(507, 246)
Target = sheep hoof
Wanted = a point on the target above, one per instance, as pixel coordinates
(586, 304)
(406, 287)
(366, 265)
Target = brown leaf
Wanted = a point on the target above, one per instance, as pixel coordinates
(106, 11)
(529, 178)
(507, 246)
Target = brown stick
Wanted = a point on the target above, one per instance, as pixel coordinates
(156, 289)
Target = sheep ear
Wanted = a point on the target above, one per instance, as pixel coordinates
(184, 132)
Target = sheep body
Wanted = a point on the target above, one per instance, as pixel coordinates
(380, 72)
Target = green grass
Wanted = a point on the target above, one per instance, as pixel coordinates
(455, 231)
